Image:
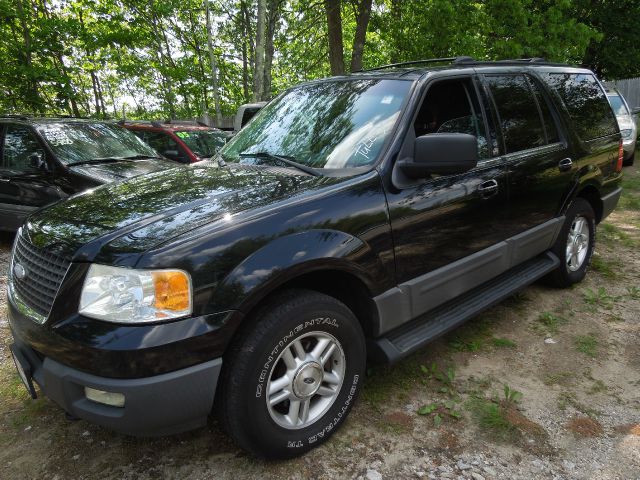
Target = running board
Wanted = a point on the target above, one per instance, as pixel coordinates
(415, 334)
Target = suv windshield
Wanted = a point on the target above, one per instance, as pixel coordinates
(338, 124)
(204, 143)
(87, 141)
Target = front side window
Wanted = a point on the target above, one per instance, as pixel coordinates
(586, 103)
(451, 106)
(18, 148)
(86, 141)
(337, 124)
(517, 111)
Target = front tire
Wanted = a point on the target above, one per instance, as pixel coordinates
(293, 374)
(575, 244)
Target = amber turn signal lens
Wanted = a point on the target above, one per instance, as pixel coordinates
(172, 291)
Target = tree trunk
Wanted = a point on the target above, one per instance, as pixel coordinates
(272, 20)
(362, 22)
(94, 85)
(334, 26)
(258, 75)
(214, 67)
(32, 83)
(244, 28)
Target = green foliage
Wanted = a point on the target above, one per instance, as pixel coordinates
(511, 396)
(151, 59)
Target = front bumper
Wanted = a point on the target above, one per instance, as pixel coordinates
(158, 405)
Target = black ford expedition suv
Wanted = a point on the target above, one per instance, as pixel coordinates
(355, 217)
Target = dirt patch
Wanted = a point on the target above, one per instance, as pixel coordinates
(585, 427)
(399, 420)
(628, 429)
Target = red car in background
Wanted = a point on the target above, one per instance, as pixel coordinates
(182, 141)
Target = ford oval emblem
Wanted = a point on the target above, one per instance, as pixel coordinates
(19, 271)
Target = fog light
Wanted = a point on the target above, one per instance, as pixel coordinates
(107, 398)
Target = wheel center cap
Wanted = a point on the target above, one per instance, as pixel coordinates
(307, 380)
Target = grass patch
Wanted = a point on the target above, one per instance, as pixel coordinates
(503, 343)
(599, 298)
(472, 336)
(610, 232)
(492, 419)
(558, 378)
(605, 267)
(587, 344)
(598, 387)
(385, 381)
(550, 322)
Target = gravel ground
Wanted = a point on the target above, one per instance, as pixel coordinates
(572, 356)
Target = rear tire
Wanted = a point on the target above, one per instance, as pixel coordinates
(575, 244)
(292, 375)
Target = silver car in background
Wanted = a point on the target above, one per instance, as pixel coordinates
(627, 124)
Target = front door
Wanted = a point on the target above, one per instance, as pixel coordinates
(448, 229)
(26, 183)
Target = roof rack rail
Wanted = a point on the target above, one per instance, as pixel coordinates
(18, 116)
(415, 62)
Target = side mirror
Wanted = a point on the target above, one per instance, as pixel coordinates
(635, 111)
(37, 161)
(441, 153)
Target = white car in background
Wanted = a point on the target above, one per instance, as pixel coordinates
(627, 124)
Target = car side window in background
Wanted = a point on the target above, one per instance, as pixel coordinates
(451, 106)
(160, 142)
(19, 145)
(518, 113)
(586, 103)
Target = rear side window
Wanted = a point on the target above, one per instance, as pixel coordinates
(586, 103)
(518, 113)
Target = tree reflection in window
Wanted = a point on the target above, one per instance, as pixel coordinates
(338, 124)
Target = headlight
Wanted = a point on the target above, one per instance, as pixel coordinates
(626, 133)
(123, 295)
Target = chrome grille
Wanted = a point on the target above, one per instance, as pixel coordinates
(44, 272)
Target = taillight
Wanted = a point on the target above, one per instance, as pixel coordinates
(620, 158)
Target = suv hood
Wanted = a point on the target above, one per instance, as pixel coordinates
(115, 171)
(137, 214)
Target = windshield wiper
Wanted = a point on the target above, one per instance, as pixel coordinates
(282, 159)
(102, 160)
(141, 157)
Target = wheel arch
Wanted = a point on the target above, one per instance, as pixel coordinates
(592, 195)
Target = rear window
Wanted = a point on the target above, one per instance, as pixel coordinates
(618, 105)
(518, 112)
(586, 103)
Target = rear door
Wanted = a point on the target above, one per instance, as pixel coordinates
(539, 162)
(26, 183)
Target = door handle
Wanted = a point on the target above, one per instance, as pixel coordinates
(488, 188)
(5, 179)
(565, 164)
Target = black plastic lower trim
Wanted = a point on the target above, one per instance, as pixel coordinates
(610, 201)
(412, 336)
(164, 404)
